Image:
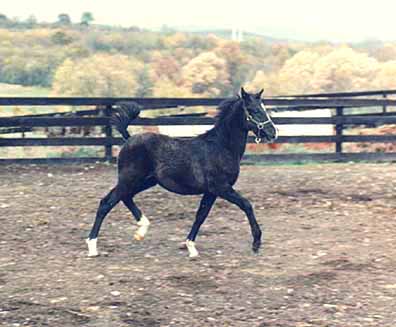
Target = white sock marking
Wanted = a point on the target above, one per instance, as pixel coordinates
(191, 249)
(92, 249)
(143, 224)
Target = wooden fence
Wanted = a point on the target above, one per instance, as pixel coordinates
(337, 101)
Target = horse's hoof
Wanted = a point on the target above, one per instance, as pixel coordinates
(93, 255)
(143, 224)
(193, 253)
(92, 249)
(138, 237)
(256, 247)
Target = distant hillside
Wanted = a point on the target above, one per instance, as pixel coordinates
(84, 59)
(227, 34)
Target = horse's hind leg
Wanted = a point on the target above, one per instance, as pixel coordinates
(106, 204)
(204, 207)
(142, 220)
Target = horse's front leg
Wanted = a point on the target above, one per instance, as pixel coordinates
(244, 204)
(206, 204)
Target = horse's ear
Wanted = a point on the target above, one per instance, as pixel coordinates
(258, 95)
(244, 94)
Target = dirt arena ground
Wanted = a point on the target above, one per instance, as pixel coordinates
(328, 258)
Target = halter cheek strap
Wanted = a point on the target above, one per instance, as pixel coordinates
(260, 125)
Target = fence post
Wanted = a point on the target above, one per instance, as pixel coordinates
(109, 134)
(339, 128)
(384, 106)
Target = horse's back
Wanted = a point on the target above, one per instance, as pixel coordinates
(177, 164)
(155, 146)
(184, 166)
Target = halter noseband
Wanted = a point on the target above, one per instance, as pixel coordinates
(260, 125)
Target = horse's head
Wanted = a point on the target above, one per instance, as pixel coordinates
(257, 118)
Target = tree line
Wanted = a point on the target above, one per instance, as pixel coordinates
(83, 59)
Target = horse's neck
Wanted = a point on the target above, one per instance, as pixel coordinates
(233, 135)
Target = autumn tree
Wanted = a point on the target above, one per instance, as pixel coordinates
(385, 78)
(327, 71)
(182, 55)
(206, 75)
(236, 63)
(267, 81)
(175, 40)
(280, 53)
(344, 69)
(145, 83)
(164, 87)
(99, 75)
(297, 73)
(385, 53)
(163, 65)
(28, 68)
(61, 38)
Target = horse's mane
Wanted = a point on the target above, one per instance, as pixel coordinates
(224, 111)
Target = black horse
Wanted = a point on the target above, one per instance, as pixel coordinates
(208, 164)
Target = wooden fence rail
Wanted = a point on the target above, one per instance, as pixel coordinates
(383, 93)
(161, 103)
(100, 117)
(103, 121)
(103, 141)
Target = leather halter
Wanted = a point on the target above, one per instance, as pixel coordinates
(260, 125)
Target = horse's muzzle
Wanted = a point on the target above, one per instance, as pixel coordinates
(269, 133)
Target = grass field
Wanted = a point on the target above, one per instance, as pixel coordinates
(10, 90)
(23, 91)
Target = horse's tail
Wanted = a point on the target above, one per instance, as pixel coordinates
(123, 115)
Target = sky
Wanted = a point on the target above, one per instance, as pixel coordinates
(306, 20)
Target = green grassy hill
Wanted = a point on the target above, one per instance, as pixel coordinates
(11, 90)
